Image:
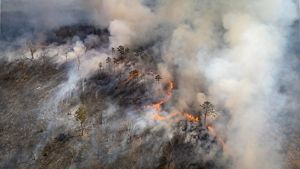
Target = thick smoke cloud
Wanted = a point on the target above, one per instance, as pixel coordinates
(229, 52)
(232, 49)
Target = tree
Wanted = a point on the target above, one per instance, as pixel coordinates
(78, 62)
(80, 116)
(32, 49)
(158, 78)
(108, 60)
(113, 50)
(108, 63)
(207, 109)
(100, 66)
(121, 50)
(44, 55)
(127, 50)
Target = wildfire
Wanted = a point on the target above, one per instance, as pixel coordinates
(170, 88)
(175, 116)
(160, 117)
(191, 117)
(212, 131)
(132, 75)
(157, 107)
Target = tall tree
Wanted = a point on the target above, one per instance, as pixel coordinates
(207, 109)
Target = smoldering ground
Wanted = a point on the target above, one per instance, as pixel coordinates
(240, 55)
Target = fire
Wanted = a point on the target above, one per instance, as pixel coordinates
(182, 115)
(159, 117)
(132, 75)
(175, 116)
(191, 117)
(170, 88)
(157, 107)
(212, 131)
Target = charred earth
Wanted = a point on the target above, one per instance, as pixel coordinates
(54, 114)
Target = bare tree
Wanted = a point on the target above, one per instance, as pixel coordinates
(44, 56)
(108, 62)
(32, 49)
(78, 62)
(113, 50)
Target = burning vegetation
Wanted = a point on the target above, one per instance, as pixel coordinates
(141, 130)
(145, 84)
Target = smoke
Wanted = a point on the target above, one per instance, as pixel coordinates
(39, 15)
(232, 53)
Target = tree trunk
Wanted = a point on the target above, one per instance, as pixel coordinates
(32, 54)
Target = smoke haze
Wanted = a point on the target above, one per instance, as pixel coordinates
(234, 53)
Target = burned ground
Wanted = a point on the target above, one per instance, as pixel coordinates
(29, 141)
(39, 129)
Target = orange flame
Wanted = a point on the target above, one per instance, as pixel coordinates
(157, 107)
(158, 117)
(191, 117)
(132, 75)
(170, 88)
(176, 116)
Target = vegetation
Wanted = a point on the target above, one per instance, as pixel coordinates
(32, 48)
(208, 108)
(81, 116)
(158, 78)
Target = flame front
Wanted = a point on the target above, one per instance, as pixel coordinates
(212, 131)
(157, 107)
(191, 117)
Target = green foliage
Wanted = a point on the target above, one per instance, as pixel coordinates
(208, 108)
(81, 116)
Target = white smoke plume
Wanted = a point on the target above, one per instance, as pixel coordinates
(229, 52)
(234, 49)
